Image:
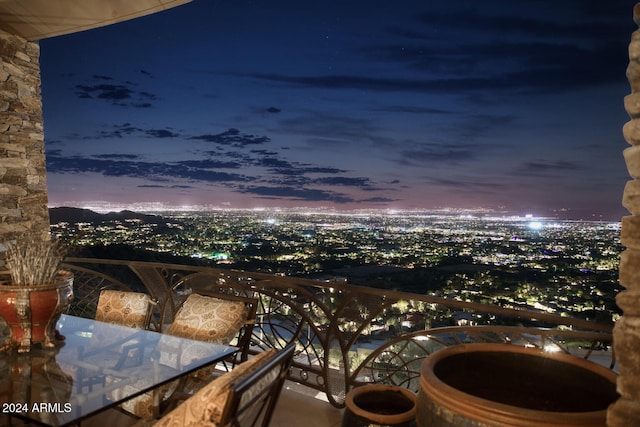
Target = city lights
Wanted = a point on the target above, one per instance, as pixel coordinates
(548, 265)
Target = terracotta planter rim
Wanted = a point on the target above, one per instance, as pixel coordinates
(382, 419)
(490, 411)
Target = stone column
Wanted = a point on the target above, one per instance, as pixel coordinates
(23, 190)
(626, 334)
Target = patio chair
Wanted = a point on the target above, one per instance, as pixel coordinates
(132, 309)
(123, 308)
(203, 316)
(244, 396)
(229, 319)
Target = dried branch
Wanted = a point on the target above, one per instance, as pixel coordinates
(33, 261)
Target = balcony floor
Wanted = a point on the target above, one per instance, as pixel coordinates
(297, 405)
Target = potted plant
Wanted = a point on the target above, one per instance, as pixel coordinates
(34, 291)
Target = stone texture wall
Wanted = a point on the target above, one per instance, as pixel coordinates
(23, 190)
(626, 335)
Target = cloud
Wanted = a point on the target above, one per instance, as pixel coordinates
(572, 76)
(104, 91)
(274, 163)
(285, 168)
(232, 137)
(475, 127)
(123, 129)
(306, 168)
(536, 52)
(508, 68)
(542, 168)
(264, 173)
(264, 152)
(116, 156)
(343, 181)
(161, 133)
(331, 129)
(299, 194)
(127, 129)
(489, 49)
(354, 82)
(404, 109)
(502, 21)
(468, 184)
(122, 94)
(185, 187)
(114, 165)
(379, 200)
(210, 164)
(431, 153)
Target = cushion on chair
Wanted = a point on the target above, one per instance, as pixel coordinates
(206, 406)
(208, 319)
(124, 308)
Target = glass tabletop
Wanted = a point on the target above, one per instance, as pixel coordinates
(98, 366)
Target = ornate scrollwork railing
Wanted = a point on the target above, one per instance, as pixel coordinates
(345, 334)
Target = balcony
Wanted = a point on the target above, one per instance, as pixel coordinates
(346, 335)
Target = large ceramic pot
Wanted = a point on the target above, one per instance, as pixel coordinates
(379, 405)
(480, 385)
(31, 312)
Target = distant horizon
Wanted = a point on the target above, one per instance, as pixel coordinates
(563, 215)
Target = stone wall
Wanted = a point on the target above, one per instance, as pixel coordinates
(23, 190)
(626, 334)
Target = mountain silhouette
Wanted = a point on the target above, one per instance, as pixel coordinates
(75, 215)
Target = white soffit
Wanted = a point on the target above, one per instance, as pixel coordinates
(39, 19)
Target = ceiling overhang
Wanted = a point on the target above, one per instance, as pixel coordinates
(40, 19)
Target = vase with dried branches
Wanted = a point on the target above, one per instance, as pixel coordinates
(34, 292)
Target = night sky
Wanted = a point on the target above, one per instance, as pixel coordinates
(509, 105)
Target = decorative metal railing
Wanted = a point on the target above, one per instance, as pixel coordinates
(345, 334)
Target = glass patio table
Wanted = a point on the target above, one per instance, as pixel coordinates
(97, 366)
